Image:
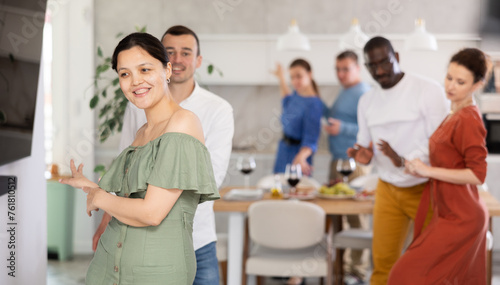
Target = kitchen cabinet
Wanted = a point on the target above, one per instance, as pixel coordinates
(247, 59)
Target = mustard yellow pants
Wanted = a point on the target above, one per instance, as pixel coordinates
(395, 207)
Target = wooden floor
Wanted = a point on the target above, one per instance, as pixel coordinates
(72, 272)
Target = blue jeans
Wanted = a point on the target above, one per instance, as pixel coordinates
(207, 266)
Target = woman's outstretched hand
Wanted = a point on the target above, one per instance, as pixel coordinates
(278, 72)
(77, 180)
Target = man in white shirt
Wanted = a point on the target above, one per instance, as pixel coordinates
(216, 116)
(398, 118)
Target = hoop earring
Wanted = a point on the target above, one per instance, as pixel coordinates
(168, 80)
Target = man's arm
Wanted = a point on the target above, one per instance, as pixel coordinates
(362, 151)
(363, 136)
(434, 107)
(219, 142)
(348, 129)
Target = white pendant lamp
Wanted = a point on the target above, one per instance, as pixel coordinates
(293, 40)
(420, 39)
(354, 38)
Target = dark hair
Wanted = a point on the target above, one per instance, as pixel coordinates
(348, 54)
(474, 60)
(378, 42)
(183, 30)
(304, 64)
(145, 41)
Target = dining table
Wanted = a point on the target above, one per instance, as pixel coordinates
(334, 208)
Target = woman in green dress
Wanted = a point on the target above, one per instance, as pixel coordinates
(153, 187)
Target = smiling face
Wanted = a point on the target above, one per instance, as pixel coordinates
(182, 53)
(383, 66)
(143, 78)
(300, 78)
(459, 83)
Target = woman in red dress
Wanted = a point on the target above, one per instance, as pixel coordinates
(451, 250)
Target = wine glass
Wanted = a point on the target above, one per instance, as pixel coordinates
(346, 167)
(246, 164)
(293, 173)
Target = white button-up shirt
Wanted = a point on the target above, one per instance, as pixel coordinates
(216, 116)
(405, 116)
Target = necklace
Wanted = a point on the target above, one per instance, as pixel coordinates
(460, 107)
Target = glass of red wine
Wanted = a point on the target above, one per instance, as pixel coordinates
(293, 174)
(246, 164)
(346, 167)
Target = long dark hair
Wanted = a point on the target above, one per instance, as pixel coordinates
(147, 42)
(304, 64)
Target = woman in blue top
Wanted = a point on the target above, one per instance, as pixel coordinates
(302, 109)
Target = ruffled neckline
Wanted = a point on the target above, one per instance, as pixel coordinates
(166, 135)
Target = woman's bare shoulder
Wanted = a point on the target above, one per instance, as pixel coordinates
(185, 121)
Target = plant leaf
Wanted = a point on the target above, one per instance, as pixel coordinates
(140, 30)
(112, 125)
(99, 51)
(103, 67)
(123, 104)
(104, 135)
(94, 101)
(99, 168)
(119, 34)
(118, 93)
(116, 81)
(104, 110)
(104, 93)
(210, 68)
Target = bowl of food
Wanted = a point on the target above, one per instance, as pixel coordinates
(339, 190)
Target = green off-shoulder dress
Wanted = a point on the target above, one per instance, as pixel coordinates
(160, 254)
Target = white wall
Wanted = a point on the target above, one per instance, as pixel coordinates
(30, 211)
(247, 59)
(240, 36)
(72, 73)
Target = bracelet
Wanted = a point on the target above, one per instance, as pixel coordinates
(402, 161)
